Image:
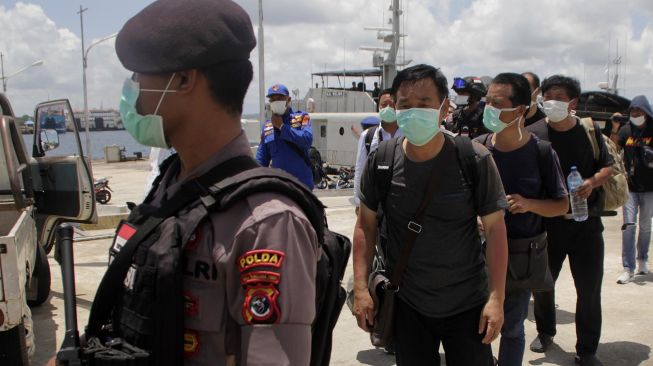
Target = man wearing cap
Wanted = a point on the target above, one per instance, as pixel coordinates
(247, 272)
(286, 137)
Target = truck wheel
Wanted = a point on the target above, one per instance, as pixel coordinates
(39, 290)
(13, 349)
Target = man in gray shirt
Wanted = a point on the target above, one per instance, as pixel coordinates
(445, 295)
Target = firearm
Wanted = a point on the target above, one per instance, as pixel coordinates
(604, 116)
(69, 353)
(109, 351)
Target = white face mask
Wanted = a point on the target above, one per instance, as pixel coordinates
(278, 107)
(556, 110)
(638, 121)
(461, 99)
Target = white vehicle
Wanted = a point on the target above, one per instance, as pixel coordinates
(36, 194)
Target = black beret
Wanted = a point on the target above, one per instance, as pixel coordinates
(174, 35)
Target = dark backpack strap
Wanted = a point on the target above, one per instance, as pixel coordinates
(369, 136)
(106, 297)
(385, 159)
(414, 229)
(235, 188)
(299, 151)
(467, 160)
(544, 149)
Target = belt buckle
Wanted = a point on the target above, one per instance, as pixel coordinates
(414, 227)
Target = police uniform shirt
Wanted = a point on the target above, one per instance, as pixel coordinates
(249, 276)
(287, 148)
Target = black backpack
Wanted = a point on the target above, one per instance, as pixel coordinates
(315, 159)
(385, 157)
(466, 160)
(225, 185)
(369, 136)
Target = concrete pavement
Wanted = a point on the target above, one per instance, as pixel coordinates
(627, 309)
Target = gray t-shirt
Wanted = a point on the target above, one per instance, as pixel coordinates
(446, 270)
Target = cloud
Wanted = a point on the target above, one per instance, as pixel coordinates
(30, 35)
(479, 37)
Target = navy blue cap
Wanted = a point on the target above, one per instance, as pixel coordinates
(370, 121)
(175, 35)
(278, 89)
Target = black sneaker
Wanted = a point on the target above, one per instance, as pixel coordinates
(390, 349)
(588, 360)
(541, 343)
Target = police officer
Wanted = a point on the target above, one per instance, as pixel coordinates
(248, 271)
(286, 137)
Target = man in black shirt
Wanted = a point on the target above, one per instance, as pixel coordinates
(445, 294)
(636, 138)
(535, 188)
(582, 241)
(534, 112)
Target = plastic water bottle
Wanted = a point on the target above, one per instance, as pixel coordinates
(578, 205)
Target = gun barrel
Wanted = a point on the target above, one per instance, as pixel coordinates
(69, 352)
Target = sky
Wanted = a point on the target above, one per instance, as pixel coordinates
(462, 37)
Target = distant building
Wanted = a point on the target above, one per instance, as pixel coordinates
(100, 119)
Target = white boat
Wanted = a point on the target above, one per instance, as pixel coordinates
(336, 112)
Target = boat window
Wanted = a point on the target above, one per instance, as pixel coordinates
(322, 131)
(342, 131)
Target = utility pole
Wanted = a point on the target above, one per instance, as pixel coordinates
(89, 153)
(261, 66)
(4, 81)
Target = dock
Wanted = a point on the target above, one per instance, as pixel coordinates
(626, 338)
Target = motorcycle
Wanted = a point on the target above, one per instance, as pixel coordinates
(102, 190)
(345, 178)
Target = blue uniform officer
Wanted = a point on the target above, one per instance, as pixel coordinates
(286, 137)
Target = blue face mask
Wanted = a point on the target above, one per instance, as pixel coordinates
(146, 130)
(491, 119)
(388, 114)
(419, 125)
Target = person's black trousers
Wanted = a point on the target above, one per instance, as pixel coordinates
(418, 337)
(583, 243)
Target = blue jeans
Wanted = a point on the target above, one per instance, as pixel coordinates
(641, 202)
(513, 340)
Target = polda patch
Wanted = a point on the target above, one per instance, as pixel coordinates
(260, 258)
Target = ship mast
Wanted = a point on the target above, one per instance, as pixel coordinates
(390, 63)
(393, 36)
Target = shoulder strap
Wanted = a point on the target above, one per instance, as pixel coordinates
(385, 159)
(588, 125)
(299, 151)
(105, 298)
(414, 229)
(163, 167)
(226, 192)
(467, 159)
(369, 136)
(543, 149)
